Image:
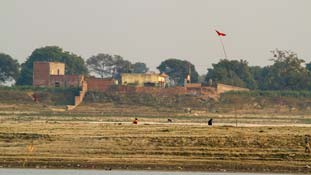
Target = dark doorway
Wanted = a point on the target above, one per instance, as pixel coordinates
(57, 84)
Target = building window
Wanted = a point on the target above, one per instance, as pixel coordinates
(57, 71)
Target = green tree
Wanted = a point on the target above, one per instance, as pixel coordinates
(100, 65)
(121, 65)
(139, 67)
(74, 63)
(287, 72)
(178, 70)
(232, 72)
(9, 68)
(105, 65)
(308, 66)
(259, 74)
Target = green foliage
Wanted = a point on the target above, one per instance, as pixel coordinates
(101, 64)
(178, 70)
(104, 65)
(74, 63)
(258, 74)
(232, 72)
(121, 66)
(139, 67)
(286, 73)
(308, 66)
(9, 68)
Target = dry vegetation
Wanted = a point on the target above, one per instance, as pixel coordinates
(83, 144)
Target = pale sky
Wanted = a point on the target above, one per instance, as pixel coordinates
(154, 30)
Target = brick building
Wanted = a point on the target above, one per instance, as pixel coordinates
(52, 74)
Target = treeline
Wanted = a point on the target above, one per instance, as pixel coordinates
(288, 72)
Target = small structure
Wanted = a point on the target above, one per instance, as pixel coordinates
(146, 79)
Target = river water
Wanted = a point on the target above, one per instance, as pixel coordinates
(5, 171)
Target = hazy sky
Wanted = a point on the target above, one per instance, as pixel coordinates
(153, 30)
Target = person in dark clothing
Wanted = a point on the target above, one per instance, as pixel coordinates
(210, 122)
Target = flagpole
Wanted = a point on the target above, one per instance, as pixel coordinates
(223, 47)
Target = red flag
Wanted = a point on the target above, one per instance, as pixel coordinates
(220, 34)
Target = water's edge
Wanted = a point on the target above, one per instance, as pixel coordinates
(26, 171)
(219, 167)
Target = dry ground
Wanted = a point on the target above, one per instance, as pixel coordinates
(69, 144)
(33, 136)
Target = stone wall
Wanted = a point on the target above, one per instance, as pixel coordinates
(74, 80)
(99, 84)
(161, 91)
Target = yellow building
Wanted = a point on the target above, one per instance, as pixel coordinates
(147, 79)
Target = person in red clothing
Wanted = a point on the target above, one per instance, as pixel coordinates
(135, 121)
